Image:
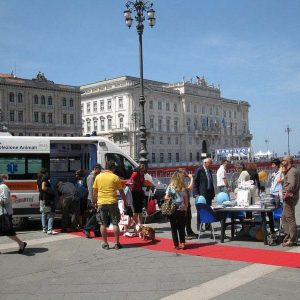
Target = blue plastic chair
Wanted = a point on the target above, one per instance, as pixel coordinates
(206, 215)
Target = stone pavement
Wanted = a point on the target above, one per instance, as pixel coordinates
(69, 267)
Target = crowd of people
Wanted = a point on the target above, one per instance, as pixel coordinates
(91, 203)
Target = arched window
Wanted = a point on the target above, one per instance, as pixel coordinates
(71, 102)
(20, 98)
(11, 97)
(49, 100)
(64, 102)
(43, 100)
(36, 99)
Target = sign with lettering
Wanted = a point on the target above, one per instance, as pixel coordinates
(24, 146)
(244, 150)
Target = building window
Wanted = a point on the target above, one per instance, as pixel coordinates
(151, 104)
(161, 140)
(203, 110)
(102, 125)
(188, 107)
(50, 118)
(11, 97)
(176, 140)
(175, 125)
(167, 106)
(64, 102)
(72, 119)
(43, 100)
(153, 160)
(177, 157)
(191, 156)
(88, 107)
(95, 125)
(234, 114)
(159, 105)
(188, 125)
(43, 117)
(20, 98)
(71, 102)
(169, 157)
(36, 99)
(169, 140)
(88, 125)
(20, 116)
(210, 110)
(95, 106)
(160, 124)
(217, 111)
(229, 113)
(101, 105)
(109, 104)
(49, 100)
(175, 107)
(64, 118)
(224, 113)
(161, 157)
(153, 140)
(168, 124)
(12, 116)
(198, 156)
(151, 123)
(121, 122)
(36, 117)
(109, 123)
(195, 108)
(121, 102)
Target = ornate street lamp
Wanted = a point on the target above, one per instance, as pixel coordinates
(140, 7)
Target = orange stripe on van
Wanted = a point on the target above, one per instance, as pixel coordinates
(21, 185)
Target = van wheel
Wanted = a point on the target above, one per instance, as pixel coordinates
(19, 222)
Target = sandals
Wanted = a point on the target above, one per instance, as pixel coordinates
(105, 246)
(21, 250)
(289, 244)
(118, 246)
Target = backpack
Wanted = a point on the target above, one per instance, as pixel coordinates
(80, 193)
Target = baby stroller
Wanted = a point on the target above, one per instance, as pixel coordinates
(151, 208)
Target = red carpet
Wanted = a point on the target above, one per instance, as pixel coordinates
(250, 255)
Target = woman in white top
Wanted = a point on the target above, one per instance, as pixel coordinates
(6, 209)
(277, 179)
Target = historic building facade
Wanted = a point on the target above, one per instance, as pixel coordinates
(39, 107)
(184, 120)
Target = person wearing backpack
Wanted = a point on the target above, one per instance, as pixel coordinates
(66, 190)
(81, 195)
(92, 222)
(47, 201)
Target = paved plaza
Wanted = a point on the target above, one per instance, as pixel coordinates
(68, 266)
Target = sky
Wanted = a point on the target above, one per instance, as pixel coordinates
(251, 48)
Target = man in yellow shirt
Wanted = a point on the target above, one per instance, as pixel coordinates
(105, 189)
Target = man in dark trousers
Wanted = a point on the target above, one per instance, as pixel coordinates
(203, 183)
(92, 222)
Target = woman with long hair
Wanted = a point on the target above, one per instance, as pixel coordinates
(177, 193)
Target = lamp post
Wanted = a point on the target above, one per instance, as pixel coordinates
(134, 118)
(140, 7)
(267, 143)
(231, 136)
(288, 130)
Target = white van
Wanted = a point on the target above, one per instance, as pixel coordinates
(23, 157)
